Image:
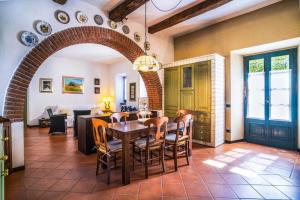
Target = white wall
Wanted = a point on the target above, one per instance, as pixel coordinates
(57, 67)
(124, 68)
(16, 16)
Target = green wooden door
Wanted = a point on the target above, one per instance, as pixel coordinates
(171, 86)
(202, 88)
(2, 170)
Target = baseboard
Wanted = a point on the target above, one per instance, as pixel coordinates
(234, 141)
(16, 169)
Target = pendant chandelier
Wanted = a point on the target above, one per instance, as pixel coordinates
(146, 63)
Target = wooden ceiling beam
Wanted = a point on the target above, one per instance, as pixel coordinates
(125, 8)
(191, 12)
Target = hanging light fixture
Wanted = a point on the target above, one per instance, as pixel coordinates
(146, 63)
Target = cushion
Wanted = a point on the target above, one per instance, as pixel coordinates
(172, 137)
(96, 111)
(115, 145)
(65, 111)
(142, 142)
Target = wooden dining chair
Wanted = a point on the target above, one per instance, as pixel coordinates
(183, 112)
(153, 142)
(143, 114)
(118, 116)
(106, 150)
(175, 141)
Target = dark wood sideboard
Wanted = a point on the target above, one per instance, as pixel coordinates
(85, 131)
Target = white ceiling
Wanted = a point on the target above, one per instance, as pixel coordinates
(227, 11)
(91, 53)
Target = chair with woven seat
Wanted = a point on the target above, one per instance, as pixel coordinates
(106, 150)
(118, 117)
(175, 141)
(183, 112)
(143, 114)
(154, 142)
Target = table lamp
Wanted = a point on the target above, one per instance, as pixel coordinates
(107, 100)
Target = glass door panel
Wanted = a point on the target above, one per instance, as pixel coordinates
(280, 88)
(256, 89)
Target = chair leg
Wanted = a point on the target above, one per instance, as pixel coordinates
(133, 157)
(162, 157)
(187, 152)
(97, 169)
(141, 156)
(175, 156)
(146, 163)
(115, 157)
(108, 169)
(151, 156)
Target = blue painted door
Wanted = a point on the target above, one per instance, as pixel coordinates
(270, 101)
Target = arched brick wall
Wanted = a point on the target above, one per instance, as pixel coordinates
(16, 92)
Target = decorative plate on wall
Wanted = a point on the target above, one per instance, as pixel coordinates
(28, 38)
(125, 29)
(98, 19)
(43, 28)
(62, 16)
(147, 45)
(112, 24)
(137, 37)
(81, 17)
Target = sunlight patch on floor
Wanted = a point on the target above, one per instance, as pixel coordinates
(243, 172)
(215, 163)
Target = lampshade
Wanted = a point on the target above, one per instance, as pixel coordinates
(146, 63)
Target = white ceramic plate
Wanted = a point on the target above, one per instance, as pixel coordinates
(81, 17)
(62, 16)
(43, 28)
(29, 39)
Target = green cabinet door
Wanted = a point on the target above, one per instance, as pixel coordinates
(202, 89)
(187, 77)
(187, 99)
(171, 91)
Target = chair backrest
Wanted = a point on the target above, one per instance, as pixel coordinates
(143, 114)
(183, 112)
(186, 121)
(158, 123)
(99, 134)
(50, 113)
(116, 117)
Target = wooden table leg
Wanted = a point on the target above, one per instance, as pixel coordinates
(125, 159)
(191, 139)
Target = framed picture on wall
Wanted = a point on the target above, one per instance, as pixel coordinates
(97, 90)
(143, 103)
(46, 85)
(132, 91)
(97, 81)
(72, 85)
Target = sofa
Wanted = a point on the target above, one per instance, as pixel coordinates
(66, 109)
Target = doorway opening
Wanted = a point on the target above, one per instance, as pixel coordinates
(270, 102)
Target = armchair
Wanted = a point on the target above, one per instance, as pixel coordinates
(58, 122)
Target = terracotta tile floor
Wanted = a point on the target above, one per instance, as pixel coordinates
(56, 170)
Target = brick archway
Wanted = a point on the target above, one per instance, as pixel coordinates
(16, 92)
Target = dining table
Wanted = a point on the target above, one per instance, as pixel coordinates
(129, 130)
